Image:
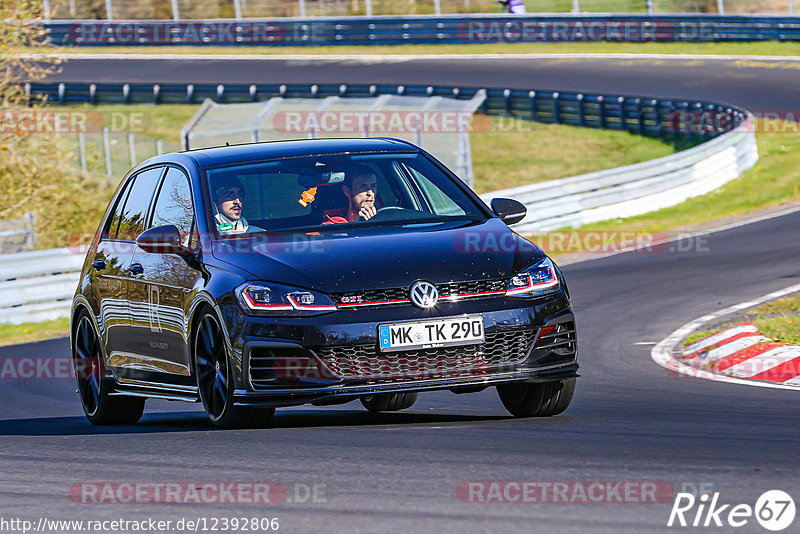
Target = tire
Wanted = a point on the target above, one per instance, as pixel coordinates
(543, 399)
(94, 388)
(215, 380)
(389, 402)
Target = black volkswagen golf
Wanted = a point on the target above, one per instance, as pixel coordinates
(319, 271)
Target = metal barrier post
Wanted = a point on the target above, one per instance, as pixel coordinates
(721, 7)
(132, 148)
(82, 149)
(175, 13)
(649, 7)
(368, 4)
(107, 151)
(237, 9)
(791, 7)
(301, 5)
(601, 102)
(46, 9)
(557, 107)
(109, 14)
(30, 235)
(437, 7)
(576, 6)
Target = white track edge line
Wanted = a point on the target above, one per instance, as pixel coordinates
(692, 235)
(662, 353)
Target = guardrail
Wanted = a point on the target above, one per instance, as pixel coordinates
(36, 286)
(655, 117)
(425, 29)
(635, 189)
(39, 285)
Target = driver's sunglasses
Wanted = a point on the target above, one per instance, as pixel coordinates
(230, 194)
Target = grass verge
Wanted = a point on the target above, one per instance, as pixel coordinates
(773, 181)
(11, 334)
(778, 320)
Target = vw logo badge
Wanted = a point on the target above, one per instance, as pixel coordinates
(424, 294)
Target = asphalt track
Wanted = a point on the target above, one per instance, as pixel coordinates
(630, 420)
(759, 85)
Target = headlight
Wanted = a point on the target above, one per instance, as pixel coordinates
(264, 298)
(537, 280)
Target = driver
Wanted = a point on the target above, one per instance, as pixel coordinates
(359, 187)
(228, 193)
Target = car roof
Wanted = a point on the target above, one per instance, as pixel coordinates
(223, 155)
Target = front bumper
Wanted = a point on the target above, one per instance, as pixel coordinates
(343, 392)
(346, 330)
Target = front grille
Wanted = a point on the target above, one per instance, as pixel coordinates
(399, 295)
(364, 361)
(471, 288)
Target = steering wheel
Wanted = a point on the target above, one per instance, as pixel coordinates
(386, 210)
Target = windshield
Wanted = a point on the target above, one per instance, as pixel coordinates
(333, 190)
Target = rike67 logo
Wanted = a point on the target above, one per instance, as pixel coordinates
(774, 510)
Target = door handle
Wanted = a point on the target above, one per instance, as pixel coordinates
(136, 268)
(99, 265)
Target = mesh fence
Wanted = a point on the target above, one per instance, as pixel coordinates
(439, 125)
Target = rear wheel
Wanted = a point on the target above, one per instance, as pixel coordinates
(215, 380)
(537, 400)
(93, 387)
(389, 402)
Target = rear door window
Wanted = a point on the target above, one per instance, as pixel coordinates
(131, 221)
(110, 231)
(174, 204)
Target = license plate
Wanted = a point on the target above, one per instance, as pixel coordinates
(431, 334)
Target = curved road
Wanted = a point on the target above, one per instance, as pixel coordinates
(630, 420)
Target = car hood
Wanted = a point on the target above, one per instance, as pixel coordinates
(381, 257)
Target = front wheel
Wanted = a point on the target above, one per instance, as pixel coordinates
(389, 402)
(100, 407)
(215, 380)
(542, 399)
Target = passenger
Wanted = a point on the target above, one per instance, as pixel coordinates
(359, 188)
(228, 194)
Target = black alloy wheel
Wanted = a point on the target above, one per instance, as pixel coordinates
(215, 380)
(94, 389)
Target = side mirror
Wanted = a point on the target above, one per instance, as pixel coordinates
(509, 210)
(161, 239)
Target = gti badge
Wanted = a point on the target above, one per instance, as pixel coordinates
(424, 294)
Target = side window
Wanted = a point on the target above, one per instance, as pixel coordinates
(439, 201)
(110, 231)
(174, 204)
(131, 222)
